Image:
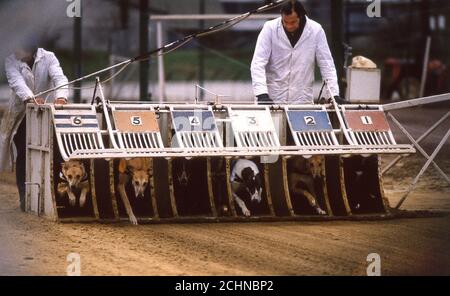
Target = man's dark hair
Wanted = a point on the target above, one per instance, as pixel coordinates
(30, 44)
(297, 7)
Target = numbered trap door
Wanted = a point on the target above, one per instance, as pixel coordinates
(137, 131)
(257, 207)
(306, 184)
(311, 128)
(142, 204)
(195, 129)
(189, 187)
(363, 186)
(77, 132)
(369, 128)
(253, 128)
(73, 200)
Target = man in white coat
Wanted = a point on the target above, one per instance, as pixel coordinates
(284, 59)
(29, 70)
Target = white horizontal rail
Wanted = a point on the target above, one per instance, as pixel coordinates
(417, 102)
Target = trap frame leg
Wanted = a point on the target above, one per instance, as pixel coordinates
(424, 168)
(421, 150)
(210, 187)
(415, 142)
(229, 191)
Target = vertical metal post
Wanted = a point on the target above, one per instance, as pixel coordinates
(144, 66)
(201, 54)
(161, 71)
(425, 67)
(337, 24)
(77, 55)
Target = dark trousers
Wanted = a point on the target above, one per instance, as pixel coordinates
(20, 142)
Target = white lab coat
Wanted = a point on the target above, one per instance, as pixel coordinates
(25, 82)
(286, 74)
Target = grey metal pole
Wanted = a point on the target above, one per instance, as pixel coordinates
(337, 38)
(77, 56)
(201, 53)
(161, 71)
(144, 65)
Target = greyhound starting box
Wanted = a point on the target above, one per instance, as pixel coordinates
(311, 161)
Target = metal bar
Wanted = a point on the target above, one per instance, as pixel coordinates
(324, 139)
(421, 150)
(197, 140)
(80, 141)
(374, 142)
(94, 140)
(416, 102)
(424, 168)
(358, 139)
(180, 17)
(387, 138)
(332, 138)
(145, 141)
(85, 142)
(253, 139)
(305, 138)
(161, 71)
(300, 139)
(69, 139)
(422, 137)
(310, 139)
(377, 138)
(260, 140)
(425, 67)
(150, 141)
(264, 139)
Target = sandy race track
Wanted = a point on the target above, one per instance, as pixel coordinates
(30, 245)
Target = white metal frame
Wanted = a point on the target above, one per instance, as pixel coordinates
(136, 141)
(197, 141)
(266, 135)
(72, 139)
(324, 139)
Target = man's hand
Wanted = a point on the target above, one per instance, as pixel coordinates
(39, 101)
(264, 99)
(60, 101)
(340, 100)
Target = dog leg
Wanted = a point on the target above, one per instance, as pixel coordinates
(72, 198)
(62, 189)
(242, 205)
(313, 202)
(126, 202)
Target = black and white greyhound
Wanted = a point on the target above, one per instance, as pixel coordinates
(246, 184)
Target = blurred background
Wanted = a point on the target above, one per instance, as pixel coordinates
(110, 31)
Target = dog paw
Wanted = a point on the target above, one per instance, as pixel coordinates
(82, 201)
(320, 211)
(133, 220)
(257, 199)
(246, 212)
(72, 200)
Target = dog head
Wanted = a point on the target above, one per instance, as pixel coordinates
(252, 182)
(139, 180)
(74, 172)
(315, 166)
(183, 177)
